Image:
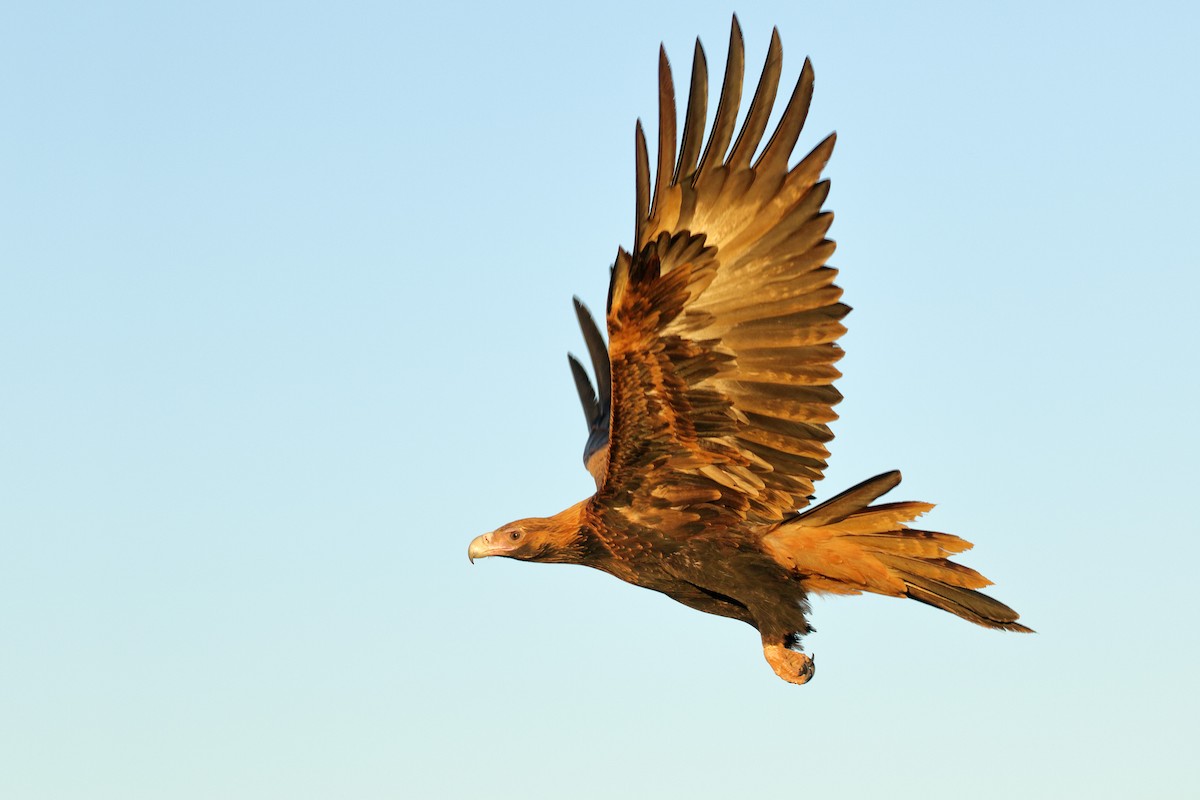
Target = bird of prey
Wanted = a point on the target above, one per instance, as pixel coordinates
(715, 392)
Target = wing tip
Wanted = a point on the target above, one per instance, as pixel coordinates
(776, 45)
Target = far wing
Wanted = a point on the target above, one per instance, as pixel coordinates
(595, 403)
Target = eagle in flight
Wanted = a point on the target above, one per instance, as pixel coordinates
(715, 393)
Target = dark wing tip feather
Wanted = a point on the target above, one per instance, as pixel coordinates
(598, 351)
(727, 105)
(587, 395)
(693, 122)
(760, 106)
(666, 126)
(783, 141)
(642, 188)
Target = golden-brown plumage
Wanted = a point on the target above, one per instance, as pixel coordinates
(716, 390)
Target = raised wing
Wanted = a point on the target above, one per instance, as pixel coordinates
(722, 324)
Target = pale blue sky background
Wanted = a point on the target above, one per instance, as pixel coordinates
(284, 300)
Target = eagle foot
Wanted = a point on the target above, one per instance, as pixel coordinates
(790, 665)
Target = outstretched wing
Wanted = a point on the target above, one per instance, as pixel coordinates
(722, 323)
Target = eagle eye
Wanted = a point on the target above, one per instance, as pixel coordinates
(514, 535)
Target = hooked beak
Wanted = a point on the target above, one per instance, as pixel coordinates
(482, 547)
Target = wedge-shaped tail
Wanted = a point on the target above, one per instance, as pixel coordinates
(848, 546)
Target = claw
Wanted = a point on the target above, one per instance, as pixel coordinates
(808, 669)
(792, 666)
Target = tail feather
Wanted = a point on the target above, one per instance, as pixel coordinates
(856, 498)
(933, 569)
(847, 546)
(883, 518)
(973, 606)
(919, 544)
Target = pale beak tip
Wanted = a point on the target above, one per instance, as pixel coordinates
(478, 547)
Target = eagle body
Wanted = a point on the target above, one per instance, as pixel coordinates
(718, 572)
(709, 418)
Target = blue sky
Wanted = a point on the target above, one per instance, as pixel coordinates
(284, 301)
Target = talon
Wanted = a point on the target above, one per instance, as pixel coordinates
(809, 668)
(792, 666)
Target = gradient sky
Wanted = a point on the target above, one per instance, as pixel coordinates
(284, 302)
